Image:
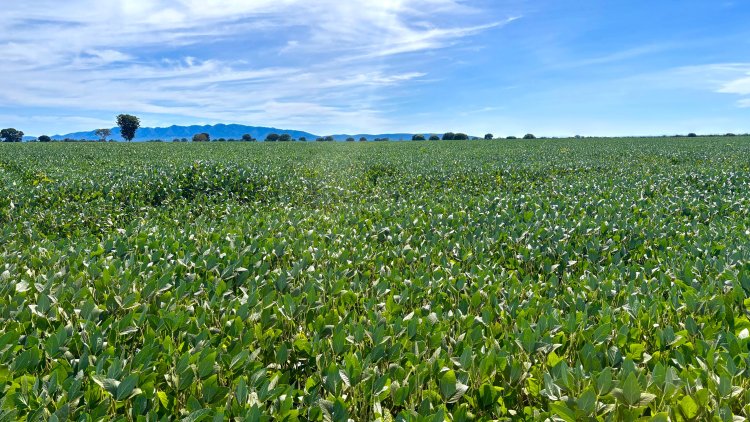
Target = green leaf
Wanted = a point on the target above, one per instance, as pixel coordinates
(646, 399)
(163, 399)
(587, 401)
(27, 360)
(488, 395)
(689, 408)
(631, 390)
(340, 413)
(562, 412)
(197, 416)
(126, 387)
(528, 340)
(461, 389)
(242, 391)
(553, 359)
(604, 382)
(448, 384)
(660, 417)
(239, 359)
(206, 366)
(450, 388)
(108, 384)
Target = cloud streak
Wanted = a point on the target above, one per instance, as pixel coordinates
(724, 78)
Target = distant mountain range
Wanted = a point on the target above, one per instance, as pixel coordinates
(179, 132)
(231, 131)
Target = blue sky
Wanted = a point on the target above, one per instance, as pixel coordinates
(550, 67)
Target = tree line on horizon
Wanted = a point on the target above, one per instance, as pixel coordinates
(130, 124)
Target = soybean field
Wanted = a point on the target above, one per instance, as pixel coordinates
(551, 279)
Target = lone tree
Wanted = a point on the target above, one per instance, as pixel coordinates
(350, 139)
(461, 137)
(449, 136)
(128, 126)
(328, 139)
(272, 137)
(417, 138)
(11, 135)
(434, 138)
(692, 135)
(285, 138)
(529, 136)
(103, 134)
(302, 139)
(363, 139)
(489, 136)
(201, 137)
(44, 138)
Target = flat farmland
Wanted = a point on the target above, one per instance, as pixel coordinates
(560, 279)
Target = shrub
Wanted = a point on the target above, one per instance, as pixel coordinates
(201, 137)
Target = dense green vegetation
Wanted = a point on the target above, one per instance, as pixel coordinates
(485, 280)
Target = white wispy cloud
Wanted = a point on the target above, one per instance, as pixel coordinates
(718, 78)
(623, 55)
(739, 86)
(292, 61)
(723, 78)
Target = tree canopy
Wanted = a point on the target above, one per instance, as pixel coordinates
(128, 126)
(103, 134)
(201, 137)
(11, 135)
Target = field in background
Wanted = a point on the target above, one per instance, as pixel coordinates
(573, 279)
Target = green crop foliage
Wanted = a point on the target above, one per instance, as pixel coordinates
(563, 280)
